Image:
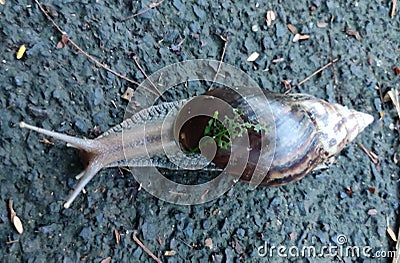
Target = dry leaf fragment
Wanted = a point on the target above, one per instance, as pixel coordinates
(128, 94)
(396, 71)
(304, 37)
(21, 51)
(298, 37)
(106, 260)
(372, 190)
(322, 24)
(63, 41)
(372, 212)
(270, 17)
(391, 234)
(117, 236)
(208, 243)
(277, 60)
(393, 95)
(3, 2)
(292, 28)
(253, 57)
(17, 224)
(14, 218)
(353, 33)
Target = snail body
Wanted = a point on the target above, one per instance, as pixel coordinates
(307, 132)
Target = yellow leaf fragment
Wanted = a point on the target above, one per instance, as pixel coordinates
(170, 253)
(21, 51)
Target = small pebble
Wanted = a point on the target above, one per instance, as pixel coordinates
(240, 232)
(138, 252)
(98, 96)
(178, 5)
(98, 118)
(200, 13)
(86, 233)
(206, 224)
(46, 229)
(188, 231)
(17, 81)
(148, 231)
(81, 125)
(343, 195)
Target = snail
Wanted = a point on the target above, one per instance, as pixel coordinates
(306, 132)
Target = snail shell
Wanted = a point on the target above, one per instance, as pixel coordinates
(308, 131)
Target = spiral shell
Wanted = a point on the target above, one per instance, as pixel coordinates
(308, 132)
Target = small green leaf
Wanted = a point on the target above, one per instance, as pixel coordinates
(230, 128)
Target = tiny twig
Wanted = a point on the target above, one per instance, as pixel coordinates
(145, 75)
(151, 6)
(374, 158)
(10, 207)
(12, 242)
(184, 242)
(335, 82)
(225, 39)
(145, 248)
(396, 258)
(318, 71)
(68, 39)
(381, 95)
(333, 65)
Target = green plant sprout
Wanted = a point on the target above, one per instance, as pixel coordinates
(221, 133)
